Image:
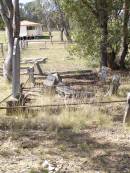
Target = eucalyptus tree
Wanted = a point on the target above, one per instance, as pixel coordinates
(125, 34)
(100, 29)
(64, 22)
(9, 10)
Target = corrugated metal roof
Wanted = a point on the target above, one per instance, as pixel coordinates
(28, 23)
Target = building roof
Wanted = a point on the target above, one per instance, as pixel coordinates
(29, 23)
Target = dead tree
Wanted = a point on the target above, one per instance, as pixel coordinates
(9, 10)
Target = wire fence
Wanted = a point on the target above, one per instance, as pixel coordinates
(65, 105)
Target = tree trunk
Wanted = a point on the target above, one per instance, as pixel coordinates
(66, 31)
(16, 51)
(124, 42)
(111, 59)
(103, 22)
(9, 10)
(62, 34)
(47, 20)
(103, 46)
(64, 22)
(7, 67)
(6, 11)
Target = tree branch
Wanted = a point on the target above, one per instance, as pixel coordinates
(86, 3)
(9, 5)
(3, 12)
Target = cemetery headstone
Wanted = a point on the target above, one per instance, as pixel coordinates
(103, 74)
(115, 85)
(51, 82)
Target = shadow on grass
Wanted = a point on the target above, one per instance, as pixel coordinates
(100, 154)
(104, 156)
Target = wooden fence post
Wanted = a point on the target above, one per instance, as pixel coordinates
(16, 69)
(16, 79)
(126, 118)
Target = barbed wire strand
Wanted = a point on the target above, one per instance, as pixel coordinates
(62, 105)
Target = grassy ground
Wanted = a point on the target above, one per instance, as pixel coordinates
(58, 57)
(85, 139)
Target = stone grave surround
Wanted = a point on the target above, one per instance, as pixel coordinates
(54, 82)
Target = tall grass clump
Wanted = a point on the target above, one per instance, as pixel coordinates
(77, 120)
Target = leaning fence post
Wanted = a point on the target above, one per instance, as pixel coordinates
(126, 118)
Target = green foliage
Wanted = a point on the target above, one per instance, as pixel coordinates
(2, 26)
(86, 26)
(85, 30)
(41, 11)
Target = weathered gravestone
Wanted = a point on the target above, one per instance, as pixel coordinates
(51, 82)
(114, 85)
(103, 74)
(126, 118)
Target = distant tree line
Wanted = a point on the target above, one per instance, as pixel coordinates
(49, 13)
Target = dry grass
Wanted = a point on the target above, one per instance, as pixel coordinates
(65, 119)
(79, 119)
(58, 57)
(84, 137)
(58, 60)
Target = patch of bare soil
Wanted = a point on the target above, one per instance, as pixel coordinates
(94, 150)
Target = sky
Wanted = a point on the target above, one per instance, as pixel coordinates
(25, 1)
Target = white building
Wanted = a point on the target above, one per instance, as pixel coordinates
(28, 28)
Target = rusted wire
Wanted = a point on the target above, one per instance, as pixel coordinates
(64, 105)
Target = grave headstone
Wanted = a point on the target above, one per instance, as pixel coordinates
(103, 74)
(115, 85)
(51, 82)
(58, 77)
